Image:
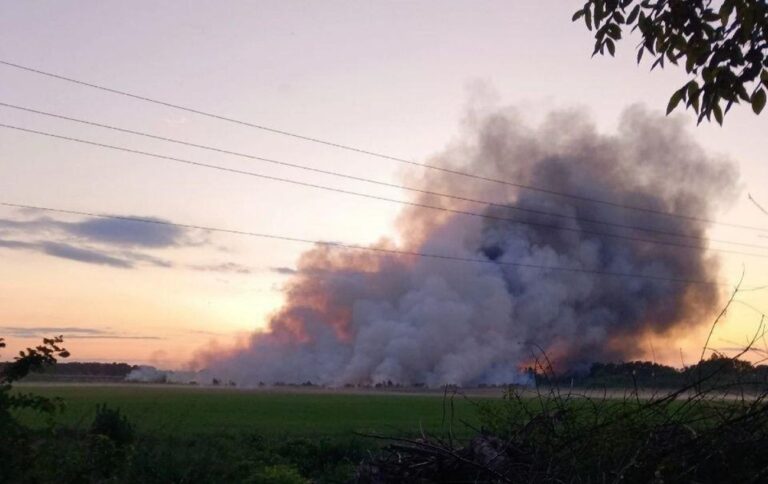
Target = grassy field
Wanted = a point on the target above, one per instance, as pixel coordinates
(166, 410)
(295, 435)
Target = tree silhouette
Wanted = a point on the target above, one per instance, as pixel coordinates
(723, 48)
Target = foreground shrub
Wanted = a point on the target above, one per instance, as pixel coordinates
(700, 433)
(111, 450)
(278, 474)
(112, 424)
(17, 443)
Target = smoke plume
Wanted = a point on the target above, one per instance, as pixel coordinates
(360, 317)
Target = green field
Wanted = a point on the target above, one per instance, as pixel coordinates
(172, 410)
(184, 434)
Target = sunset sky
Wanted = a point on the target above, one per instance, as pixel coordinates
(391, 77)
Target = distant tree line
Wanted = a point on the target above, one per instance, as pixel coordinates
(644, 374)
(718, 370)
(77, 371)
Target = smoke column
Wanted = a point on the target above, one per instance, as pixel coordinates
(356, 317)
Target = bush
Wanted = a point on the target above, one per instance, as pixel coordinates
(708, 431)
(111, 423)
(277, 474)
(17, 446)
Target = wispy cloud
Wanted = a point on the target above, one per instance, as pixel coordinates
(283, 270)
(69, 332)
(15, 244)
(146, 258)
(123, 244)
(208, 333)
(115, 243)
(230, 267)
(124, 233)
(128, 233)
(90, 255)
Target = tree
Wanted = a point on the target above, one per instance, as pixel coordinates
(724, 48)
(15, 442)
(33, 359)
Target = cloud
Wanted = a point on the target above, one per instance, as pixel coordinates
(114, 243)
(65, 251)
(127, 232)
(25, 331)
(230, 267)
(90, 255)
(37, 225)
(208, 333)
(15, 244)
(146, 258)
(283, 270)
(69, 332)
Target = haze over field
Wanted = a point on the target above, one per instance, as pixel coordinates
(419, 83)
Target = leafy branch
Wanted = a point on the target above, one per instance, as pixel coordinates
(29, 360)
(723, 48)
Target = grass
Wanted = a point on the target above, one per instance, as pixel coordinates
(193, 434)
(165, 410)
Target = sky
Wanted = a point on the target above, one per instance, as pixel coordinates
(391, 77)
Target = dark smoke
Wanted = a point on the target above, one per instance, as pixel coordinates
(357, 317)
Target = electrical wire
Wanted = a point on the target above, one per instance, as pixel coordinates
(384, 250)
(311, 139)
(376, 197)
(378, 182)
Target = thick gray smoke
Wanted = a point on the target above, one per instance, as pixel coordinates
(357, 317)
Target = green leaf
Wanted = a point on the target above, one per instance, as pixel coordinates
(718, 114)
(725, 12)
(675, 100)
(708, 74)
(742, 92)
(671, 57)
(694, 100)
(633, 14)
(690, 62)
(611, 47)
(599, 12)
(578, 15)
(693, 88)
(758, 100)
(613, 31)
(764, 77)
(588, 19)
(598, 48)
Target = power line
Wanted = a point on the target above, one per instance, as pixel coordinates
(754, 202)
(375, 197)
(374, 153)
(378, 182)
(365, 248)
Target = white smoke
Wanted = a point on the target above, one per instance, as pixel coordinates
(150, 374)
(359, 317)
